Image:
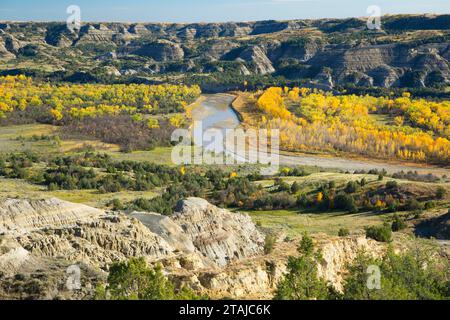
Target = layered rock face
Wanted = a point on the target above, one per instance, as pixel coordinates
(216, 233)
(210, 249)
(19, 216)
(299, 49)
(161, 51)
(256, 57)
(39, 234)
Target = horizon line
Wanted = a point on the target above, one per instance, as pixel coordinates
(229, 21)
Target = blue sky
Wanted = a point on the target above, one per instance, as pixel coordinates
(208, 10)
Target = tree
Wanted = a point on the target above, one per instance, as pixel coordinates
(295, 188)
(134, 280)
(345, 202)
(302, 281)
(352, 187)
(319, 197)
(415, 274)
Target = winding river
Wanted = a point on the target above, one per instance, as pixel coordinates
(214, 111)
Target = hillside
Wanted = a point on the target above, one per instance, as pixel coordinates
(410, 51)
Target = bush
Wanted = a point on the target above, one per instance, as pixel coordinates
(303, 201)
(343, 232)
(117, 204)
(403, 276)
(282, 186)
(52, 187)
(413, 205)
(430, 205)
(393, 205)
(345, 202)
(302, 281)
(134, 280)
(440, 193)
(295, 188)
(417, 213)
(351, 187)
(381, 233)
(398, 223)
(269, 243)
(392, 185)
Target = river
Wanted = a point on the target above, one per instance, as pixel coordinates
(214, 112)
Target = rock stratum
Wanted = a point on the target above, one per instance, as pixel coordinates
(409, 50)
(213, 250)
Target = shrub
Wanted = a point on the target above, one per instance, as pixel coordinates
(117, 204)
(403, 276)
(429, 205)
(413, 204)
(351, 187)
(392, 185)
(134, 280)
(343, 232)
(295, 187)
(417, 213)
(393, 205)
(345, 202)
(269, 243)
(382, 233)
(302, 281)
(303, 201)
(282, 186)
(398, 223)
(440, 193)
(52, 187)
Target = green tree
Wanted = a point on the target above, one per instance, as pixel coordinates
(302, 281)
(416, 274)
(352, 187)
(134, 280)
(295, 188)
(345, 202)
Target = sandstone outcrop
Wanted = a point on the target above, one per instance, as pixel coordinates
(297, 50)
(258, 60)
(161, 50)
(218, 234)
(213, 250)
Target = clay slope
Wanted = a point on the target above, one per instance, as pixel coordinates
(213, 250)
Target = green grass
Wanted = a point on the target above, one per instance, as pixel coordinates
(315, 180)
(10, 142)
(159, 155)
(12, 188)
(294, 223)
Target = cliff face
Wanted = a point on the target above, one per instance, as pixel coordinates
(211, 249)
(403, 54)
(218, 234)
